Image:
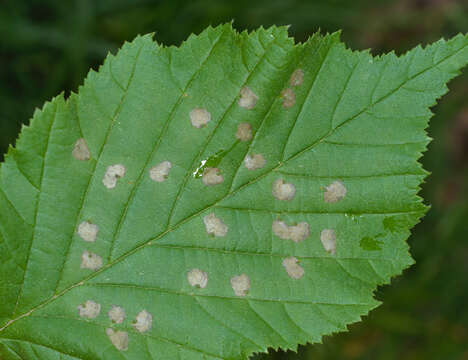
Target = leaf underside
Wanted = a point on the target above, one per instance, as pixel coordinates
(344, 129)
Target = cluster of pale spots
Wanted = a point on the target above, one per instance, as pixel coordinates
(116, 314)
(266, 218)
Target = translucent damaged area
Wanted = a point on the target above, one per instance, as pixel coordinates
(109, 244)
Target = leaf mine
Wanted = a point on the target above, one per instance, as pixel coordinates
(248, 99)
(335, 192)
(113, 173)
(81, 150)
(211, 176)
(289, 98)
(160, 172)
(90, 261)
(88, 231)
(89, 309)
(292, 267)
(197, 278)
(144, 321)
(244, 132)
(297, 78)
(254, 161)
(116, 314)
(240, 284)
(296, 233)
(118, 338)
(328, 239)
(214, 225)
(283, 191)
(199, 117)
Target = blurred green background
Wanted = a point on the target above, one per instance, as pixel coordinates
(47, 46)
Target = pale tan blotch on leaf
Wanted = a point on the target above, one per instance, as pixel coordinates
(240, 284)
(81, 150)
(215, 226)
(292, 267)
(199, 117)
(90, 261)
(296, 233)
(248, 99)
(118, 338)
(144, 321)
(335, 192)
(289, 98)
(89, 309)
(88, 231)
(297, 78)
(160, 172)
(244, 132)
(283, 191)
(328, 239)
(116, 314)
(211, 176)
(197, 278)
(113, 173)
(254, 161)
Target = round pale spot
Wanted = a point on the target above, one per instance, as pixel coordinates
(118, 338)
(214, 225)
(116, 314)
(283, 191)
(160, 172)
(254, 161)
(90, 261)
(244, 132)
(296, 233)
(89, 309)
(144, 321)
(297, 78)
(240, 284)
(197, 278)
(88, 231)
(199, 117)
(289, 98)
(335, 192)
(248, 99)
(292, 267)
(81, 150)
(212, 177)
(113, 173)
(328, 239)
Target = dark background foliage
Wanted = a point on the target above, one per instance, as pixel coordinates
(47, 46)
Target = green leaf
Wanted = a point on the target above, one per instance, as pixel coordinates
(124, 202)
